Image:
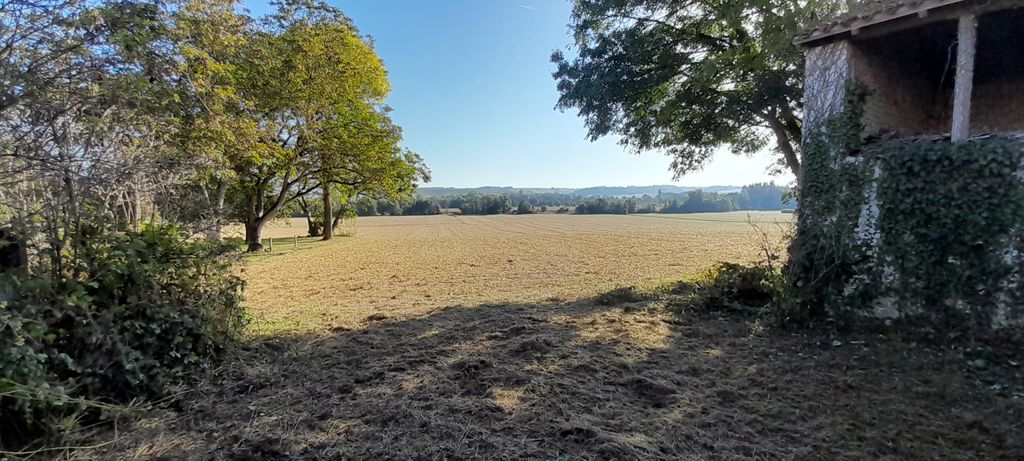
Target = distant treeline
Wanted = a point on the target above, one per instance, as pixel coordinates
(761, 196)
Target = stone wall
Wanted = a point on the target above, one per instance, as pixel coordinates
(828, 69)
(998, 106)
(855, 251)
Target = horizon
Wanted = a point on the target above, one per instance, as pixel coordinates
(472, 90)
(494, 186)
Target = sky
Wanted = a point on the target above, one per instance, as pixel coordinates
(472, 90)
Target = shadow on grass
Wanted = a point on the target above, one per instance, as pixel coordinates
(581, 381)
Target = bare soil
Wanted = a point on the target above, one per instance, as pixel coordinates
(585, 380)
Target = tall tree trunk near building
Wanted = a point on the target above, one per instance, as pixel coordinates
(785, 144)
(967, 40)
(328, 214)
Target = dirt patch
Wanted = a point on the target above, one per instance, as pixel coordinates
(373, 318)
(586, 381)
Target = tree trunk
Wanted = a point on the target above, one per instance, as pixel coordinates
(337, 220)
(136, 209)
(214, 229)
(785, 145)
(328, 214)
(253, 235)
(312, 228)
(218, 210)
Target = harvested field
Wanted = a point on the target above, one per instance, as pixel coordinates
(482, 338)
(402, 266)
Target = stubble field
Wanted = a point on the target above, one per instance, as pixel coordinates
(454, 338)
(402, 266)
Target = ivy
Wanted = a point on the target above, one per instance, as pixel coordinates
(949, 213)
(927, 227)
(825, 255)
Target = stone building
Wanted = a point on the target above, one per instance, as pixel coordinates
(912, 191)
(927, 63)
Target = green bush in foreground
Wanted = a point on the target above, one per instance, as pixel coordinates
(134, 312)
(730, 287)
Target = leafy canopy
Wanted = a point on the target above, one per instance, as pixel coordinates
(688, 77)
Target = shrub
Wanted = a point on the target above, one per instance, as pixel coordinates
(131, 313)
(728, 287)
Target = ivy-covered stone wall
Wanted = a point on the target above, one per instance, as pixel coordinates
(909, 229)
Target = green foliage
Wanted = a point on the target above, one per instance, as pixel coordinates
(423, 207)
(699, 202)
(824, 255)
(689, 77)
(941, 247)
(762, 196)
(289, 105)
(729, 287)
(135, 312)
(950, 215)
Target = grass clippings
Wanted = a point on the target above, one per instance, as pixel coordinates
(362, 350)
(588, 381)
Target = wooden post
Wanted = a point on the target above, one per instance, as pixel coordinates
(966, 49)
(295, 241)
(271, 241)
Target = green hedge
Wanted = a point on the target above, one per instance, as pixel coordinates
(132, 313)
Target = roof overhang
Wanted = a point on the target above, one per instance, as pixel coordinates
(884, 12)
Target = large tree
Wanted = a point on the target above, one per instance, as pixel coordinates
(87, 113)
(209, 37)
(364, 158)
(289, 106)
(688, 77)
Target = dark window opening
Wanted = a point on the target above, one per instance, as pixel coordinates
(910, 75)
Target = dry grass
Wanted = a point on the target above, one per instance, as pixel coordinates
(405, 266)
(463, 338)
(586, 381)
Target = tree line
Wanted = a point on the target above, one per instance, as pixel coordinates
(760, 196)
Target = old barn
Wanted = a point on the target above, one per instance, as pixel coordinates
(912, 204)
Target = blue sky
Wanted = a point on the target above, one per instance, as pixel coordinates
(472, 89)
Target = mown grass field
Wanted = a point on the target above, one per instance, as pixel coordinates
(442, 337)
(403, 266)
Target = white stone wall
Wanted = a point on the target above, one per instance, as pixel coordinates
(828, 69)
